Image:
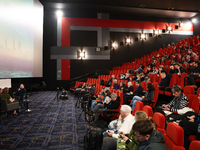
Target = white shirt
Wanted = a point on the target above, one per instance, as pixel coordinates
(125, 126)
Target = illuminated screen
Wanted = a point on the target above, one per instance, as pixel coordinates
(21, 38)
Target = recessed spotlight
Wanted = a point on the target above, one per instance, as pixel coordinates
(59, 13)
(114, 45)
(194, 20)
(143, 36)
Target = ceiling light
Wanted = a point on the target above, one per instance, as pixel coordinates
(143, 36)
(114, 45)
(128, 40)
(80, 54)
(194, 20)
(59, 13)
(169, 28)
(156, 32)
(181, 24)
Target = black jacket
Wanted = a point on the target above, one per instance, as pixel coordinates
(129, 89)
(194, 70)
(113, 104)
(164, 82)
(138, 91)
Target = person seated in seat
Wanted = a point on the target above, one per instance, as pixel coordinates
(149, 95)
(122, 87)
(178, 68)
(183, 61)
(122, 76)
(21, 92)
(109, 82)
(179, 101)
(124, 124)
(147, 79)
(190, 127)
(155, 70)
(131, 142)
(141, 67)
(148, 137)
(116, 85)
(127, 77)
(100, 108)
(161, 69)
(134, 77)
(164, 81)
(64, 94)
(195, 74)
(188, 59)
(191, 53)
(141, 77)
(7, 97)
(148, 70)
(100, 99)
(138, 91)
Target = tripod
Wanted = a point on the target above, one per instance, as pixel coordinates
(78, 99)
(57, 95)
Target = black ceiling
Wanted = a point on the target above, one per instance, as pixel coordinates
(160, 8)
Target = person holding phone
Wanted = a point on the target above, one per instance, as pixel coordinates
(21, 91)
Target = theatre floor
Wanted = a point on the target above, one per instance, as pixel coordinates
(51, 124)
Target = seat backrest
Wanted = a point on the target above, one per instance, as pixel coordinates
(138, 107)
(194, 145)
(159, 120)
(188, 90)
(148, 110)
(194, 103)
(198, 91)
(174, 137)
(3, 104)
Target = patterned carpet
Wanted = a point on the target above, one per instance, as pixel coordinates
(51, 125)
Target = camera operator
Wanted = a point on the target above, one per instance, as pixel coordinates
(64, 94)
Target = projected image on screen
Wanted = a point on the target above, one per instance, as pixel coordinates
(21, 30)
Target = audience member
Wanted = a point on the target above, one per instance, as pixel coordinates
(109, 82)
(191, 53)
(138, 91)
(148, 96)
(1, 91)
(190, 127)
(164, 81)
(21, 92)
(7, 97)
(188, 59)
(148, 137)
(100, 99)
(141, 77)
(129, 89)
(126, 77)
(147, 79)
(122, 76)
(148, 69)
(179, 102)
(130, 139)
(194, 74)
(155, 70)
(124, 124)
(64, 94)
(113, 104)
(179, 69)
(116, 85)
(122, 87)
(183, 61)
(141, 67)
(161, 69)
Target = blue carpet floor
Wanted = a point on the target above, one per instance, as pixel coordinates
(51, 125)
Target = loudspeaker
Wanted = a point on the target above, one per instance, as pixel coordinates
(105, 47)
(176, 26)
(121, 43)
(163, 30)
(136, 38)
(150, 34)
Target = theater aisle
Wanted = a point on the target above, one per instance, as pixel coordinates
(52, 125)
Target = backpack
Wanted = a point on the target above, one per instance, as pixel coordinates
(93, 139)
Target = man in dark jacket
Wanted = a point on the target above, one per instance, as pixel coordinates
(149, 139)
(138, 92)
(194, 74)
(178, 68)
(164, 81)
(113, 104)
(21, 91)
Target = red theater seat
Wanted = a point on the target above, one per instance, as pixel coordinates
(195, 145)
(159, 120)
(138, 107)
(148, 110)
(174, 137)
